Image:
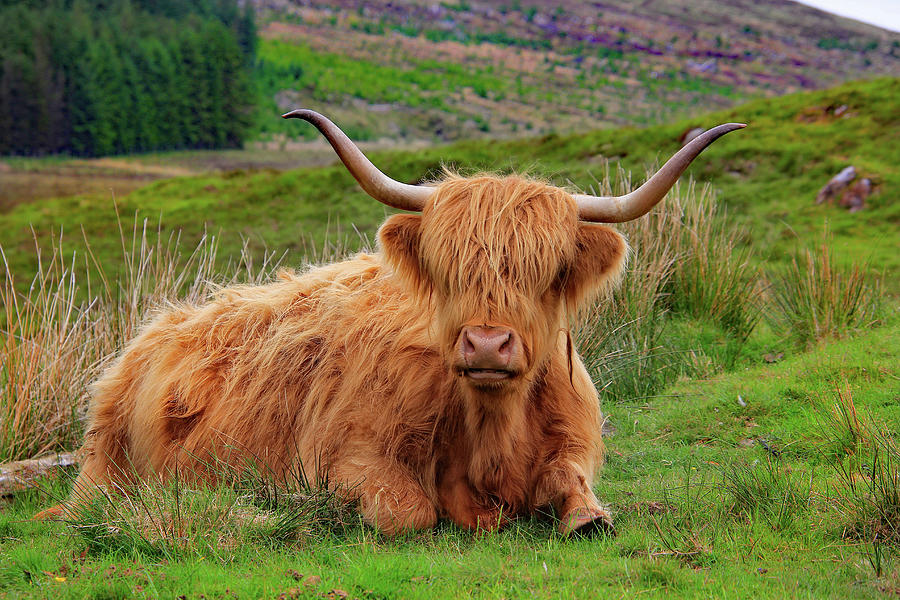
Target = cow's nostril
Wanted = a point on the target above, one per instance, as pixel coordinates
(506, 345)
(468, 346)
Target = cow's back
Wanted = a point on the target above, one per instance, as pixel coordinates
(268, 374)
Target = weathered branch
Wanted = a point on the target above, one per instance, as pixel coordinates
(23, 474)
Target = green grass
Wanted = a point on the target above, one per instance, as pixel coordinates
(813, 299)
(766, 176)
(739, 465)
(702, 508)
(431, 97)
(686, 308)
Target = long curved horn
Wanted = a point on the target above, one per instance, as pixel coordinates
(373, 182)
(618, 209)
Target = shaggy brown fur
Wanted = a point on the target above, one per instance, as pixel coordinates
(346, 369)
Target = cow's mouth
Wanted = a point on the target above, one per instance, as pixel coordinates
(488, 375)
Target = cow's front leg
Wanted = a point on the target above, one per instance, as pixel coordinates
(461, 504)
(565, 487)
(389, 497)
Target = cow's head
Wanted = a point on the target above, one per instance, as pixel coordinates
(503, 260)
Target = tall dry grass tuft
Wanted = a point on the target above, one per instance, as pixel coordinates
(867, 459)
(711, 279)
(54, 345)
(619, 336)
(814, 298)
(683, 261)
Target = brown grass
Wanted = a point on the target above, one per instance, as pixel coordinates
(21, 187)
(52, 346)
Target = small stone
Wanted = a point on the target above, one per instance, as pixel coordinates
(773, 357)
(854, 198)
(836, 185)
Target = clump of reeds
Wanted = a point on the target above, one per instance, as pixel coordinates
(46, 360)
(867, 459)
(866, 496)
(814, 298)
(711, 278)
(689, 521)
(766, 489)
(683, 261)
(59, 331)
(211, 514)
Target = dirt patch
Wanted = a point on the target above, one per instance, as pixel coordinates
(18, 187)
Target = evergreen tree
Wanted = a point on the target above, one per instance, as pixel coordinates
(17, 102)
(49, 89)
(94, 77)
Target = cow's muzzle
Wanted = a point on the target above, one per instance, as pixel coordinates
(486, 354)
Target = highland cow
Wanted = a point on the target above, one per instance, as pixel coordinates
(432, 379)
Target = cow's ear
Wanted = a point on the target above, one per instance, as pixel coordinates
(399, 240)
(601, 254)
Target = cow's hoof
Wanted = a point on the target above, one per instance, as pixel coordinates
(585, 522)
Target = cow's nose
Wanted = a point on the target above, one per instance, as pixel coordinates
(487, 347)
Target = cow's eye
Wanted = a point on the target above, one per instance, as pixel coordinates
(562, 276)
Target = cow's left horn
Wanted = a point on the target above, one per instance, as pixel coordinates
(618, 209)
(374, 182)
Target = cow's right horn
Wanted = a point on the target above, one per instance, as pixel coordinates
(373, 182)
(618, 209)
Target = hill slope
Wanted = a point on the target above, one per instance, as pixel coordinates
(767, 175)
(457, 70)
(768, 479)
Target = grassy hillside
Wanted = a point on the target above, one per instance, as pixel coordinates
(766, 175)
(738, 465)
(494, 68)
